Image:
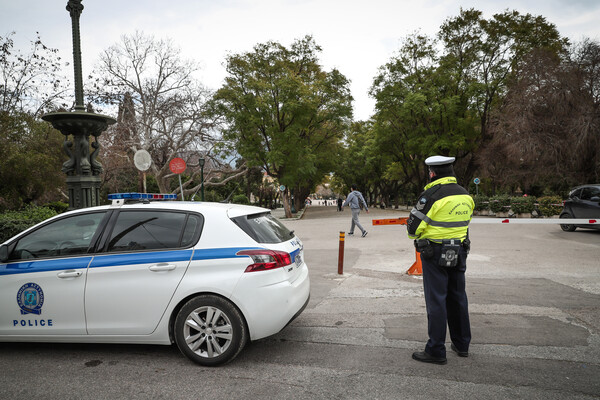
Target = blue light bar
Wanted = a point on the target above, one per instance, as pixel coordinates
(142, 196)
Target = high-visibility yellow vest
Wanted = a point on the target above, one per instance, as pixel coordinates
(443, 211)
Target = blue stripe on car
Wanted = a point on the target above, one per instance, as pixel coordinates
(113, 260)
(45, 265)
(212, 254)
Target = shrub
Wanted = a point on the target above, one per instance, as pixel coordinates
(240, 199)
(58, 206)
(15, 222)
(550, 205)
(209, 196)
(520, 205)
(500, 203)
(481, 202)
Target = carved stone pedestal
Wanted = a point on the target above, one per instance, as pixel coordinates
(84, 191)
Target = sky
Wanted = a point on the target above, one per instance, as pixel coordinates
(357, 36)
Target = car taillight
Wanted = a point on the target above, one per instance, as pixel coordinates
(266, 259)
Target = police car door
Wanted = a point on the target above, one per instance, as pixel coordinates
(147, 253)
(42, 283)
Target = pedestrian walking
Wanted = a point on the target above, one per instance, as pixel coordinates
(356, 201)
(439, 224)
(339, 203)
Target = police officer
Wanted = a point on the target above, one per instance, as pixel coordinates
(439, 224)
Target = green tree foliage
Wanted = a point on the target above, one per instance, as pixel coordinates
(432, 100)
(483, 55)
(363, 163)
(418, 112)
(351, 168)
(284, 113)
(30, 150)
(30, 160)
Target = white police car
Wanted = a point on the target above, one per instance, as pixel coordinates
(207, 276)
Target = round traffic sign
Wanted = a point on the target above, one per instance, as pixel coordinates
(177, 165)
(476, 181)
(142, 160)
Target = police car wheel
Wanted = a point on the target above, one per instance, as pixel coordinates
(567, 227)
(210, 331)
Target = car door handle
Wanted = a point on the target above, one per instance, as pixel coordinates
(69, 274)
(162, 267)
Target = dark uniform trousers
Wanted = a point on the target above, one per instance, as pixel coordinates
(446, 300)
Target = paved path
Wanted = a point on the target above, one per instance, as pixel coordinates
(534, 294)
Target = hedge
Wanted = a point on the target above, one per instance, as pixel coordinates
(15, 222)
(522, 205)
(500, 203)
(481, 202)
(550, 205)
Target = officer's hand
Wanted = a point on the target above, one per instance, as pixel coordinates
(367, 211)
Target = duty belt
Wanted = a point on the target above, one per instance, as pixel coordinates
(457, 241)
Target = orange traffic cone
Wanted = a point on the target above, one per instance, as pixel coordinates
(416, 268)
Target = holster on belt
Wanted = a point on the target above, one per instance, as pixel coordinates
(424, 247)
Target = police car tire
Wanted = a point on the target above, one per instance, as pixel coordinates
(230, 316)
(567, 227)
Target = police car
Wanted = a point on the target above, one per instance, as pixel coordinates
(206, 276)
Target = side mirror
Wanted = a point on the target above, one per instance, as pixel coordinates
(3, 253)
(596, 199)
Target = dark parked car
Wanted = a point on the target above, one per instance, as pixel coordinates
(583, 202)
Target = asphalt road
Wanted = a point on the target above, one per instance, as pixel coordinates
(534, 294)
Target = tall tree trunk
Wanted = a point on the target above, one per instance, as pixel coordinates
(285, 197)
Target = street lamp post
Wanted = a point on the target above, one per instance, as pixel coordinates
(82, 169)
(201, 162)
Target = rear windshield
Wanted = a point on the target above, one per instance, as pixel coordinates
(264, 228)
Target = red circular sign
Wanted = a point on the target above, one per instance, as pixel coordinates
(177, 165)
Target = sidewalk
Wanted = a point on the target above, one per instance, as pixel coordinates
(534, 295)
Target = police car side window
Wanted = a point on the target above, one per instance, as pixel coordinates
(147, 230)
(64, 237)
(192, 229)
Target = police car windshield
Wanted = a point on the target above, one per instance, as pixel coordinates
(263, 228)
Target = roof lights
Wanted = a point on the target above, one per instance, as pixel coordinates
(142, 196)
